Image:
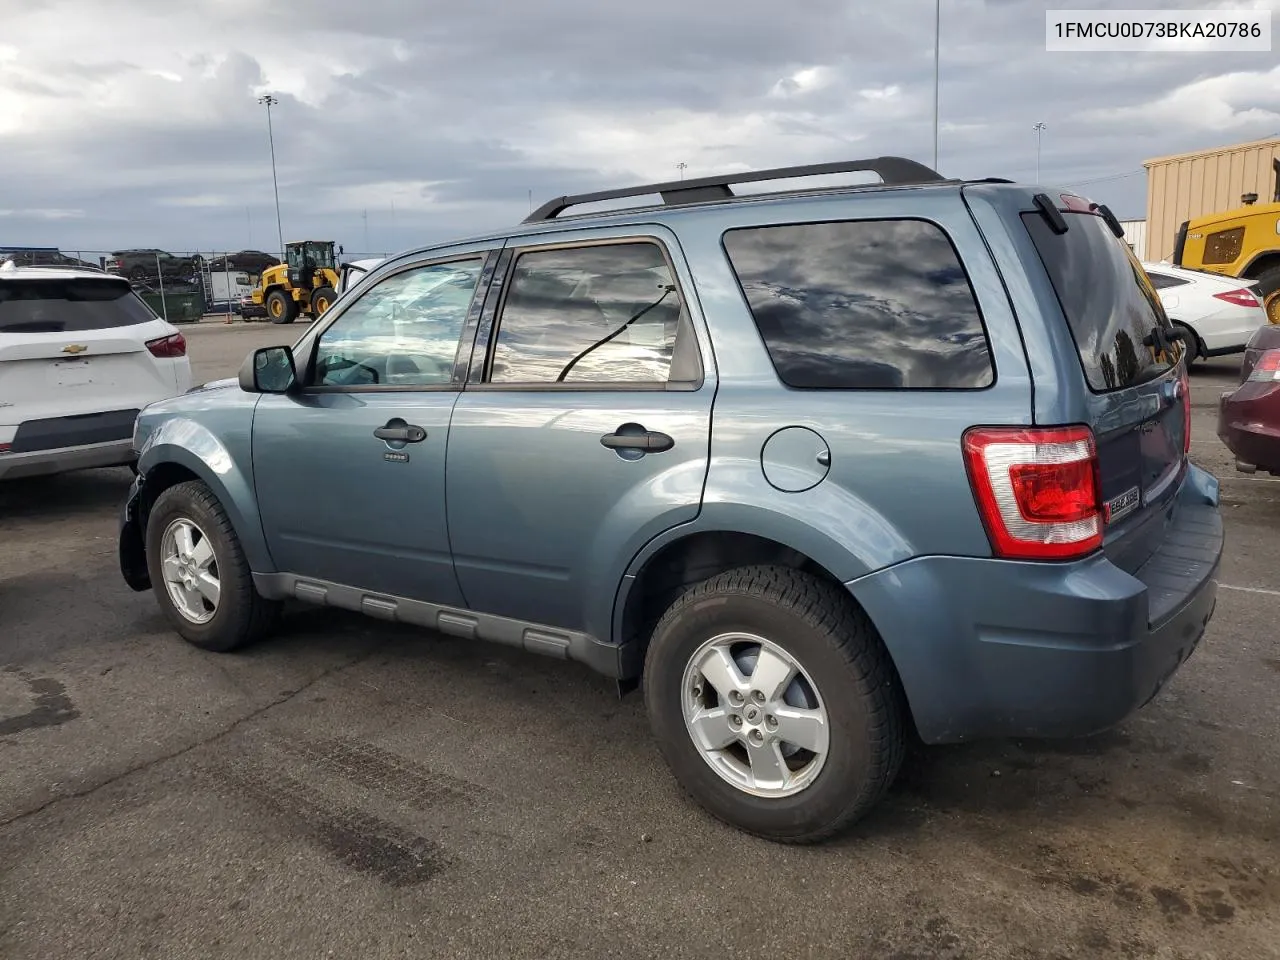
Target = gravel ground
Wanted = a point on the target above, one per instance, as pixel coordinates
(353, 789)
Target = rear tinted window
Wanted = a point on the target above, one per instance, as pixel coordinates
(1109, 302)
(867, 304)
(1162, 281)
(57, 306)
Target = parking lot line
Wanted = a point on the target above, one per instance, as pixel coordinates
(1262, 590)
(1254, 479)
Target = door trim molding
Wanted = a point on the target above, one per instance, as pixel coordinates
(455, 621)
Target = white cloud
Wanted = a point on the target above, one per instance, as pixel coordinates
(1232, 101)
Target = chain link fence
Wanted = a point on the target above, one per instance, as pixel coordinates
(183, 286)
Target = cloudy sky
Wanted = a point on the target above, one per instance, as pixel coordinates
(135, 123)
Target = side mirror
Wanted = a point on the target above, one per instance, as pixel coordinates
(269, 370)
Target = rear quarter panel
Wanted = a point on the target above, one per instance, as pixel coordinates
(897, 485)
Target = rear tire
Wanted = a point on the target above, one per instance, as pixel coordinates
(1195, 347)
(239, 614)
(281, 308)
(843, 673)
(1269, 291)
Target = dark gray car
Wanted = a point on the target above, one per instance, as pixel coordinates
(816, 467)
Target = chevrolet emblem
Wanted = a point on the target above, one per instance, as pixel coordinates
(74, 348)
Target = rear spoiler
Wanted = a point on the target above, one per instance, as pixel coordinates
(1053, 214)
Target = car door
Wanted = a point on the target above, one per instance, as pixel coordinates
(350, 469)
(584, 428)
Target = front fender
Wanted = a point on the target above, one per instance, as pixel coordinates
(226, 468)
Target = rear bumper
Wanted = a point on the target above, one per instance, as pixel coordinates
(995, 648)
(64, 459)
(1249, 424)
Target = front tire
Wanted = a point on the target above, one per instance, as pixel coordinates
(774, 703)
(199, 573)
(322, 299)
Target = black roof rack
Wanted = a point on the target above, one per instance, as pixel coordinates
(892, 170)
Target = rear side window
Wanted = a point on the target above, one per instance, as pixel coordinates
(1162, 281)
(1110, 305)
(65, 306)
(607, 313)
(865, 304)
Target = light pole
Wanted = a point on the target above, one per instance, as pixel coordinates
(1039, 128)
(269, 101)
(937, 34)
(680, 166)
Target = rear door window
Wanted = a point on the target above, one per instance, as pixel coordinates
(862, 304)
(1112, 308)
(68, 306)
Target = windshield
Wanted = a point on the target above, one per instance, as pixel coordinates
(310, 255)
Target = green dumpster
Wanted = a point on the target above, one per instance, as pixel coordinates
(178, 306)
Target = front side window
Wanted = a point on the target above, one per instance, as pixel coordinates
(606, 313)
(402, 332)
(862, 304)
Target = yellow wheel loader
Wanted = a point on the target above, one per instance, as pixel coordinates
(1244, 242)
(304, 285)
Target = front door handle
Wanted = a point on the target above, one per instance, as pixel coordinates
(398, 430)
(632, 436)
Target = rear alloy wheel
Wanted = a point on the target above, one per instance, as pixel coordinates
(1269, 292)
(281, 308)
(755, 715)
(199, 573)
(774, 703)
(322, 299)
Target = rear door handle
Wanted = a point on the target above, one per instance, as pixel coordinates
(637, 438)
(401, 431)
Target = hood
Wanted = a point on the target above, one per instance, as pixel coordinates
(215, 385)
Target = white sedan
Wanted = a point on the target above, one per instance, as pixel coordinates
(1221, 313)
(80, 355)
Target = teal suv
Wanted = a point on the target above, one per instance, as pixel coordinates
(817, 468)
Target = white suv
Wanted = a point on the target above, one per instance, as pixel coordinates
(80, 355)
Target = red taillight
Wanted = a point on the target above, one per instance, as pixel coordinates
(1037, 490)
(168, 347)
(1267, 369)
(1244, 297)
(5, 447)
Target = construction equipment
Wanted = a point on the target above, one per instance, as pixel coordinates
(304, 285)
(1244, 242)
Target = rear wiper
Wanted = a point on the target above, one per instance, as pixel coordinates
(666, 290)
(1052, 215)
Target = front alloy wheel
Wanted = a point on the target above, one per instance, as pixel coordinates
(190, 571)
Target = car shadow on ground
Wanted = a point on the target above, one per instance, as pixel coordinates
(64, 494)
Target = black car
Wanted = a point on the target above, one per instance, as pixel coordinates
(43, 257)
(149, 264)
(252, 262)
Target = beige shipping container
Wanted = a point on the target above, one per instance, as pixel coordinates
(1209, 181)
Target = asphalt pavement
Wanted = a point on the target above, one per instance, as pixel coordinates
(354, 789)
